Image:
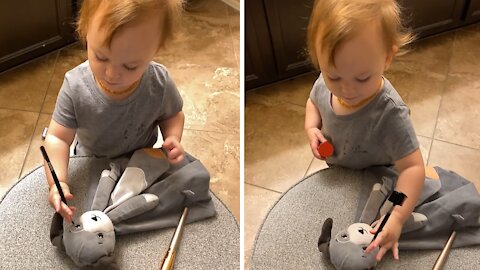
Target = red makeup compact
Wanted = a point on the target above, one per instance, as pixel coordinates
(325, 149)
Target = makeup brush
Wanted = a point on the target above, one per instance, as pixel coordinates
(397, 198)
(54, 175)
(443, 257)
(169, 258)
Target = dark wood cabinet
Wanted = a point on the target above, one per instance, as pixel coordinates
(472, 13)
(30, 28)
(275, 40)
(275, 32)
(433, 17)
(260, 67)
(288, 21)
(430, 17)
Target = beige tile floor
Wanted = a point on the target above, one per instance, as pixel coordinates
(440, 81)
(204, 62)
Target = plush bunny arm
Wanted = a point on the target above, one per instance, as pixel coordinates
(144, 168)
(132, 207)
(107, 182)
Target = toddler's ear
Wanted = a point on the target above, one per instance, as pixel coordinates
(325, 236)
(390, 55)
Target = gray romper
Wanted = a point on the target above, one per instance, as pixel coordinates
(380, 133)
(109, 128)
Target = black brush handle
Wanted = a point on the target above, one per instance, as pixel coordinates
(55, 178)
(397, 198)
(384, 221)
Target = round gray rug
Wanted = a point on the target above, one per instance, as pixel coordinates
(288, 236)
(25, 218)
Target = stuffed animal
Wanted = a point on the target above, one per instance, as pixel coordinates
(346, 250)
(90, 241)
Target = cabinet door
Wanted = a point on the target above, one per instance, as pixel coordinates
(431, 17)
(288, 21)
(260, 66)
(472, 13)
(30, 28)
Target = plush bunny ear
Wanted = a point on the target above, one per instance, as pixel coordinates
(324, 239)
(56, 231)
(133, 207)
(143, 169)
(106, 262)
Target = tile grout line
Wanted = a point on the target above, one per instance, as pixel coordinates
(19, 110)
(39, 114)
(209, 131)
(308, 168)
(456, 144)
(441, 97)
(263, 188)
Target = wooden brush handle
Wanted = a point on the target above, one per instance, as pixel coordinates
(443, 257)
(169, 259)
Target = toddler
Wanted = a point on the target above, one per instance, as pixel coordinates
(353, 106)
(115, 101)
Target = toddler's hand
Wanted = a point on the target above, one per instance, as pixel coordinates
(387, 238)
(174, 149)
(315, 137)
(56, 201)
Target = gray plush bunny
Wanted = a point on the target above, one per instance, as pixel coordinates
(346, 249)
(91, 240)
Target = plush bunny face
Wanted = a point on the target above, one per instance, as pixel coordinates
(357, 233)
(91, 238)
(96, 221)
(346, 250)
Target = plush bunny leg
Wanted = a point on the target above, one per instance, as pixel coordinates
(375, 200)
(107, 183)
(133, 207)
(144, 168)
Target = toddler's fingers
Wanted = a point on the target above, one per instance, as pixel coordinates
(380, 254)
(55, 202)
(395, 251)
(172, 154)
(68, 196)
(56, 205)
(315, 152)
(314, 146)
(169, 143)
(375, 243)
(177, 159)
(320, 136)
(66, 212)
